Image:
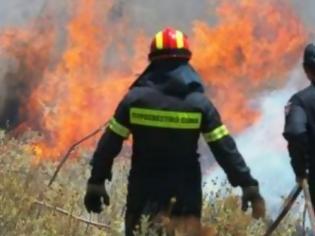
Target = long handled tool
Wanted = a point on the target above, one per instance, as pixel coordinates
(72, 148)
(309, 205)
(285, 209)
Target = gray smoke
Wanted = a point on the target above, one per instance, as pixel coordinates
(19, 12)
(150, 14)
(264, 148)
(4, 67)
(262, 144)
(154, 15)
(305, 9)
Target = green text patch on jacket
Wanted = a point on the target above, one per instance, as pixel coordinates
(165, 119)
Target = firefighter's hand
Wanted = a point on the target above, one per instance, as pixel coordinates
(95, 197)
(251, 195)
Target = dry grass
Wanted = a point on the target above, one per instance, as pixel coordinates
(22, 185)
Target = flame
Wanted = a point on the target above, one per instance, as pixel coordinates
(30, 49)
(78, 95)
(251, 48)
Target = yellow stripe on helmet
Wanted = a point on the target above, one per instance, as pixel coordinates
(179, 39)
(159, 40)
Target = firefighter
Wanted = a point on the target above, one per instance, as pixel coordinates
(166, 110)
(299, 128)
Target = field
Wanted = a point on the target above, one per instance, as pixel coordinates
(29, 207)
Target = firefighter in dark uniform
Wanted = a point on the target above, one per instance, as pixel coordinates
(166, 110)
(299, 128)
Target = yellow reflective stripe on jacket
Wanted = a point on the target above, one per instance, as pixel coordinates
(118, 128)
(216, 134)
(165, 119)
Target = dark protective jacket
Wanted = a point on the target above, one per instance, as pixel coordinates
(299, 131)
(166, 111)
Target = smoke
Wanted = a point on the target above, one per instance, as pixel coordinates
(154, 15)
(305, 9)
(18, 12)
(149, 15)
(13, 14)
(263, 146)
(4, 68)
(9, 102)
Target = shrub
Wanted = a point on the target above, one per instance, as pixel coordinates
(29, 207)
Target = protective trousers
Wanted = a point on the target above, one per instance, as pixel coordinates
(171, 196)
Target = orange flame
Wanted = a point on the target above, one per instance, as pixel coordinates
(31, 49)
(252, 47)
(78, 95)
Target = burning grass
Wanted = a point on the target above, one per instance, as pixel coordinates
(28, 207)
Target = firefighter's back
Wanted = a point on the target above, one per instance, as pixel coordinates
(165, 130)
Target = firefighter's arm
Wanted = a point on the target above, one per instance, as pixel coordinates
(227, 155)
(224, 149)
(295, 132)
(232, 162)
(110, 145)
(107, 149)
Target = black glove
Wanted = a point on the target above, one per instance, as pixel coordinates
(251, 195)
(95, 197)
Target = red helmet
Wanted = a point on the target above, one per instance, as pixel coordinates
(169, 43)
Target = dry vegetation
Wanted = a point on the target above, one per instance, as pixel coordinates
(29, 207)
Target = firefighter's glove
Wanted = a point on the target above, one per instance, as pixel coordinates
(95, 197)
(252, 196)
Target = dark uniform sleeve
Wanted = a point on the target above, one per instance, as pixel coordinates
(110, 144)
(295, 132)
(224, 148)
